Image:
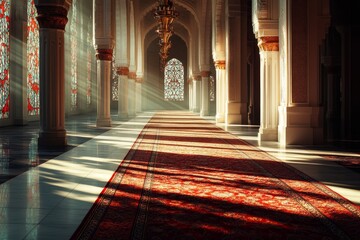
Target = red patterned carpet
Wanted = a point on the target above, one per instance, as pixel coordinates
(185, 178)
(346, 161)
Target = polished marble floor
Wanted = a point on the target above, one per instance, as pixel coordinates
(45, 194)
(19, 149)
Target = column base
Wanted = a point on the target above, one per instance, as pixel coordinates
(300, 126)
(131, 115)
(103, 122)
(123, 116)
(196, 110)
(204, 113)
(268, 134)
(237, 113)
(220, 118)
(56, 139)
(233, 119)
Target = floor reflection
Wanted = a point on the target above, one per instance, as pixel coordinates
(19, 149)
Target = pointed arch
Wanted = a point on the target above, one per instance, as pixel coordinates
(174, 80)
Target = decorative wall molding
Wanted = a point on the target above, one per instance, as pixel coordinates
(268, 43)
(104, 54)
(122, 71)
(52, 17)
(220, 64)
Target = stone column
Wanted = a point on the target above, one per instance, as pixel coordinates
(205, 93)
(104, 58)
(122, 58)
(197, 93)
(236, 111)
(131, 96)
(104, 26)
(138, 104)
(123, 73)
(332, 114)
(220, 90)
(190, 82)
(269, 88)
(52, 19)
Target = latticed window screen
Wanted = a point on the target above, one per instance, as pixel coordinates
(174, 81)
(212, 88)
(89, 65)
(74, 55)
(114, 82)
(33, 85)
(4, 58)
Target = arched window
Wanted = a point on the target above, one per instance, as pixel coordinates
(33, 86)
(4, 58)
(74, 56)
(174, 81)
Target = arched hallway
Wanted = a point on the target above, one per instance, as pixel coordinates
(52, 199)
(80, 80)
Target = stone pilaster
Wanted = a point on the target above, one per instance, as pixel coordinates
(131, 96)
(123, 73)
(205, 93)
(269, 88)
(197, 93)
(138, 102)
(190, 83)
(221, 95)
(52, 20)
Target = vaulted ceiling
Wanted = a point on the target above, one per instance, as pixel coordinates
(190, 17)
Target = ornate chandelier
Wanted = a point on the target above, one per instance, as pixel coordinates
(165, 14)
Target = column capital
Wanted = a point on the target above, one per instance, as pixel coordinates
(205, 74)
(122, 71)
(269, 43)
(132, 75)
(104, 54)
(220, 64)
(50, 16)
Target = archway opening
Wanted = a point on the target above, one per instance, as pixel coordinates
(174, 81)
(158, 94)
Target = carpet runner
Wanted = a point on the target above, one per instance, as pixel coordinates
(185, 178)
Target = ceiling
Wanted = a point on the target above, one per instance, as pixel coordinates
(185, 25)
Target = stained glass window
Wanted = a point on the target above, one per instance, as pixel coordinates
(33, 86)
(114, 82)
(212, 88)
(4, 58)
(174, 81)
(74, 57)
